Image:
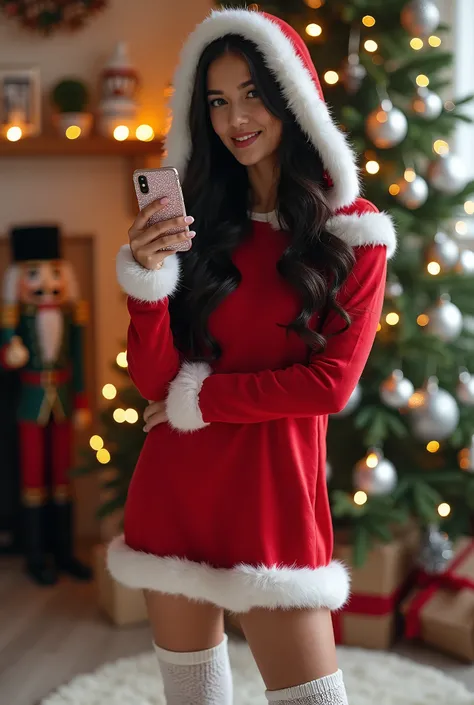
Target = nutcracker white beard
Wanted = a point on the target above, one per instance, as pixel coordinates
(49, 327)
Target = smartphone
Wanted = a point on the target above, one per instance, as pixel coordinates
(152, 184)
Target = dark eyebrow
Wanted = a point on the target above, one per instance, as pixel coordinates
(245, 84)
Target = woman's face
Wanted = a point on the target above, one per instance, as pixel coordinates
(238, 115)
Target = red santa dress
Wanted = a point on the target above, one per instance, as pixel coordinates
(228, 502)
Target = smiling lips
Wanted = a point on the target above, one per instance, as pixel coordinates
(246, 139)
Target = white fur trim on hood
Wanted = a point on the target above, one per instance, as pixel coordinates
(298, 87)
(364, 229)
(182, 403)
(237, 589)
(146, 284)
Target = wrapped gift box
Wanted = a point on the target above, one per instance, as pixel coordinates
(369, 618)
(440, 611)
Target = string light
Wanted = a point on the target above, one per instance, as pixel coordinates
(371, 46)
(372, 167)
(464, 459)
(379, 328)
(96, 442)
(423, 320)
(392, 318)
(314, 30)
(416, 400)
(432, 447)
(409, 175)
(360, 497)
(469, 207)
(394, 189)
(314, 4)
(119, 415)
(381, 116)
(122, 359)
(368, 21)
(372, 460)
(434, 41)
(144, 133)
(444, 509)
(121, 133)
(109, 391)
(434, 268)
(331, 77)
(103, 456)
(422, 80)
(416, 43)
(73, 132)
(441, 147)
(461, 227)
(14, 133)
(131, 416)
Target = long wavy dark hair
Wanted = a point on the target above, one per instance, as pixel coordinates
(216, 192)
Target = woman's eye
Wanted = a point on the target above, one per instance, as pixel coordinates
(217, 102)
(253, 93)
(32, 274)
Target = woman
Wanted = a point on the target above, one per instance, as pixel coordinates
(246, 343)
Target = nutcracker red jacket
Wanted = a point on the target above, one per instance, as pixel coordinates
(228, 502)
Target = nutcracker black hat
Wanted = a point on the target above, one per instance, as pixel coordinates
(35, 242)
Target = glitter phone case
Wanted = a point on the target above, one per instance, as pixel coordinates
(162, 182)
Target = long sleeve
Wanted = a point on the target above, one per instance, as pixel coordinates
(153, 360)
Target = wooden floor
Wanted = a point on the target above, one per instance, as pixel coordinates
(49, 635)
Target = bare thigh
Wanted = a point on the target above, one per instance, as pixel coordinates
(179, 624)
(291, 647)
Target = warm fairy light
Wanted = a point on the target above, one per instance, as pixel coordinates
(331, 77)
(314, 4)
(73, 132)
(103, 456)
(371, 46)
(122, 359)
(381, 116)
(144, 133)
(360, 497)
(372, 460)
(121, 133)
(379, 328)
(368, 21)
(96, 442)
(461, 227)
(423, 320)
(131, 416)
(433, 268)
(416, 43)
(109, 391)
(444, 509)
(469, 207)
(432, 447)
(392, 318)
(14, 133)
(464, 460)
(372, 167)
(314, 30)
(416, 400)
(422, 80)
(434, 41)
(119, 415)
(440, 147)
(409, 175)
(394, 189)
(449, 105)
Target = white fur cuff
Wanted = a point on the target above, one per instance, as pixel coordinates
(365, 229)
(182, 403)
(146, 284)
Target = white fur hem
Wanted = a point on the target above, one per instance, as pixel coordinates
(238, 589)
(299, 90)
(365, 229)
(146, 284)
(182, 403)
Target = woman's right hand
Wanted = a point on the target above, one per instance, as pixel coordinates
(147, 243)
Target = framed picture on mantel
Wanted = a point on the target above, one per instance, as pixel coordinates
(20, 99)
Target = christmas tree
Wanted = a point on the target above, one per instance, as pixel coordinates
(402, 447)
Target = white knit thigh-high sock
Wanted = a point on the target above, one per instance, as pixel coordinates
(328, 690)
(198, 677)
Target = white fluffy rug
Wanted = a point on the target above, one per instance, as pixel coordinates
(372, 678)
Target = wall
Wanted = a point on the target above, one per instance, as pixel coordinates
(91, 196)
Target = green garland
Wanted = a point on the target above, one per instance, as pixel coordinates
(51, 15)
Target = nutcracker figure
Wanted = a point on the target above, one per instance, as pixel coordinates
(41, 336)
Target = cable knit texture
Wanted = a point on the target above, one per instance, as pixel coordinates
(329, 690)
(196, 678)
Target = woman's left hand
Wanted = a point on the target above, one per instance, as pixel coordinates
(154, 414)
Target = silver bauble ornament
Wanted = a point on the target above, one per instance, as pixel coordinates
(352, 74)
(443, 250)
(396, 391)
(465, 264)
(393, 289)
(374, 474)
(386, 126)
(427, 104)
(328, 471)
(447, 174)
(465, 388)
(420, 18)
(413, 193)
(434, 412)
(436, 551)
(466, 457)
(445, 320)
(352, 404)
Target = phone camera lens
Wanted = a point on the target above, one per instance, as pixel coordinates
(143, 183)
